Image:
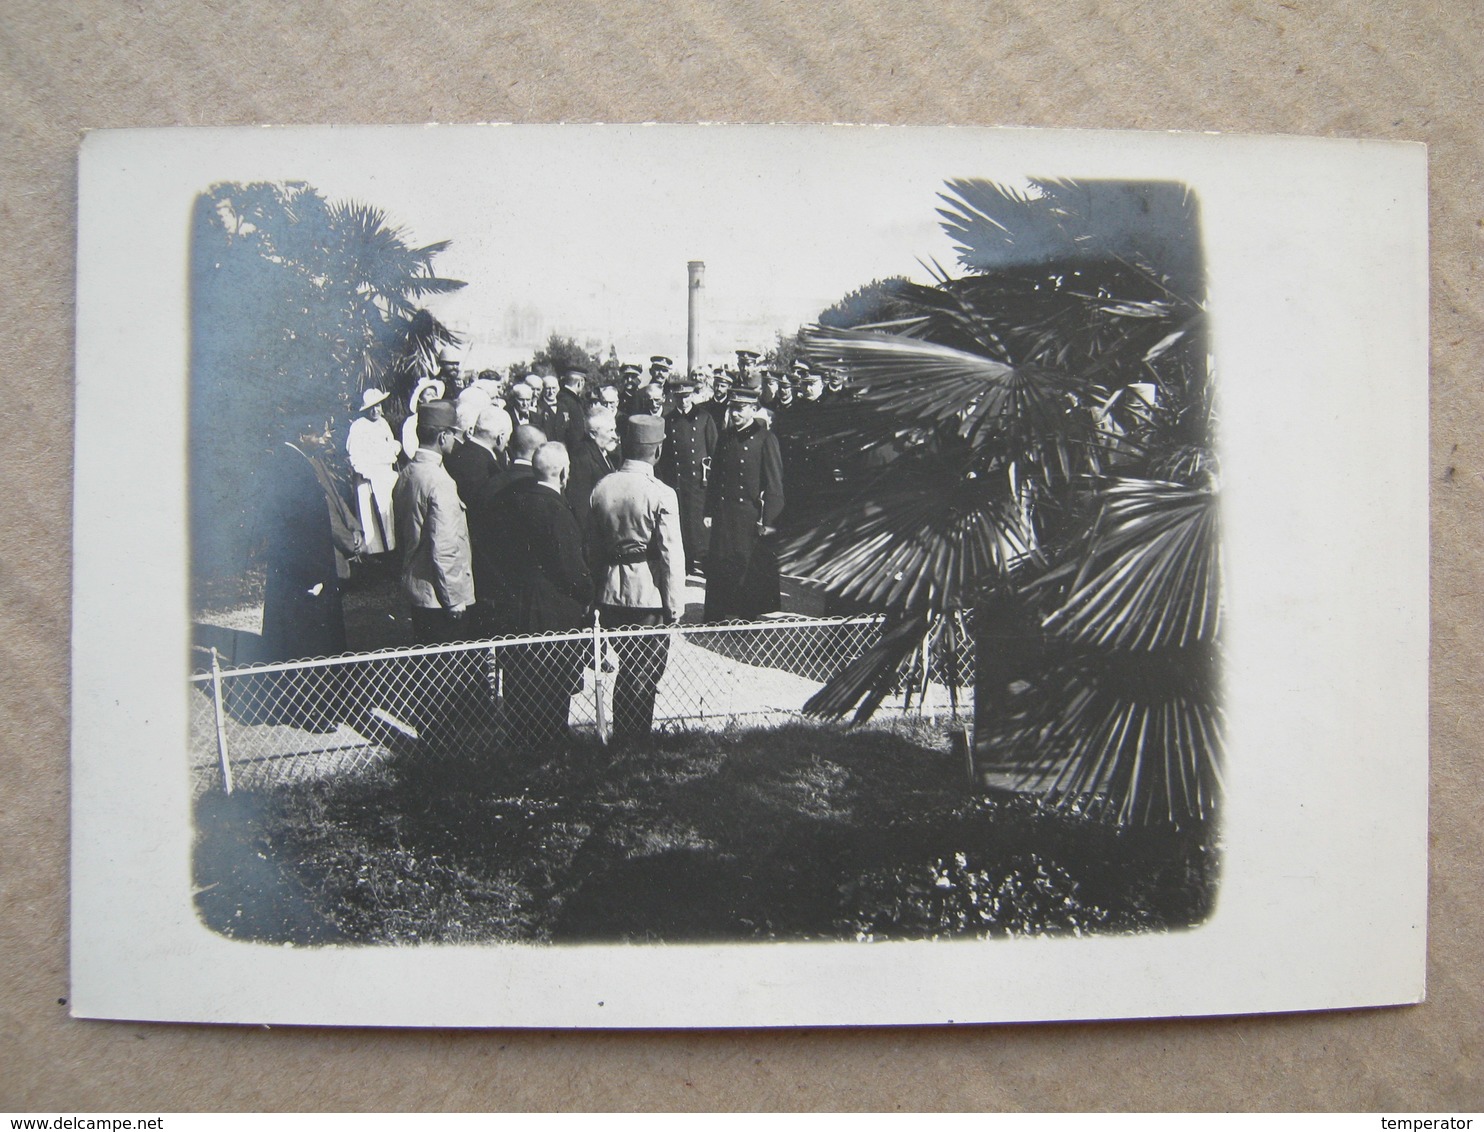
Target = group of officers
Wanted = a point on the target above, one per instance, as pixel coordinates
(526, 507)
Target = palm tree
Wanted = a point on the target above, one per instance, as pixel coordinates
(379, 281)
(1057, 480)
(297, 304)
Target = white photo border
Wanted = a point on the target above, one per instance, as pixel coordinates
(1316, 252)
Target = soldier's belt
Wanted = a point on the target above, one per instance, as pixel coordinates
(628, 557)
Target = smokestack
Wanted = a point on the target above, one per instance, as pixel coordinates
(697, 270)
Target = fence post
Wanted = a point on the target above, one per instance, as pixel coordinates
(221, 720)
(600, 711)
(926, 702)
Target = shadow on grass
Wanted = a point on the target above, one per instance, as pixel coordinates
(801, 832)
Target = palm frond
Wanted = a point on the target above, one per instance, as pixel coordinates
(1028, 411)
(1134, 739)
(914, 538)
(994, 224)
(1149, 574)
(868, 679)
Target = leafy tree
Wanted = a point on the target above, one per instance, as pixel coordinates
(297, 304)
(1059, 484)
(561, 354)
(786, 349)
(879, 301)
(608, 373)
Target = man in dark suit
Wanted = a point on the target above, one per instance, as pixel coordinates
(522, 404)
(476, 458)
(744, 498)
(496, 611)
(554, 590)
(593, 457)
(571, 413)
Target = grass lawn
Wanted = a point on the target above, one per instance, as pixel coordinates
(806, 831)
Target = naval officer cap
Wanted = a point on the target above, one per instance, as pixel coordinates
(642, 428)
(744, 395)
(631, 367)
(753, 355)
(437, 414)
(659, 361)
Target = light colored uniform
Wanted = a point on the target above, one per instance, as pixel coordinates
(433, 534)
(634, 541)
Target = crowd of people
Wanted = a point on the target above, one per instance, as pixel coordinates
(528, 505)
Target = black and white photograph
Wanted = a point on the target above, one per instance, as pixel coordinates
(617, 555)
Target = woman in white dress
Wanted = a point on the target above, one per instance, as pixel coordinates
(428, 389)
(372, 450)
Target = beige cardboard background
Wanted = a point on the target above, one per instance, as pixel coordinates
(1338, 69)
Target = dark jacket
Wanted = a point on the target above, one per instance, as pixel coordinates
(690, 442)
(589, 465)
(553, 581)
(571, 416)
(470, 465)
(495, 567)
(302, 611)
(745, 492)
(685, 464)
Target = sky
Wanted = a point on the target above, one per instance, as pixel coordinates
(588, 230)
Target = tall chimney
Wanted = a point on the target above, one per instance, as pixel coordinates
(697, 270)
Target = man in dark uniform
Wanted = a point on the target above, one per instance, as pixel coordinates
(747, 376)
(834, 385)
(630, 379)
(809, 475)
(690, 441)
(743, 501)
(660, 368)
(721, 398)
(767, 396)
(785, 398)
(639, 566)
(554, 588)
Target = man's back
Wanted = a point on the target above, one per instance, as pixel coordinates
(545, 549)
(634, 541)
(433, 534)
(470, 465)
(493, 559)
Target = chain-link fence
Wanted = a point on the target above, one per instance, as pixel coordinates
(268, 724)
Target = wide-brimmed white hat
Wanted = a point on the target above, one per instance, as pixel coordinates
(371, 397)
(417, 391)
